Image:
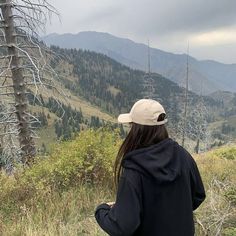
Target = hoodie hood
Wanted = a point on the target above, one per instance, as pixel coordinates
(160, 161)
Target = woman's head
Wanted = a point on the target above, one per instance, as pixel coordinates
(151, 131)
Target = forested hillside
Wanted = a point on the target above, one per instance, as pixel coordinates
(113, 88)
(109, 84)
(214, 75)
(97, 89)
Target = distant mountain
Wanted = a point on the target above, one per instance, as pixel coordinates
(208, 76)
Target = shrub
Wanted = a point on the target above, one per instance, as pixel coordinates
(229, 232)
(88, 159)
(227, 153)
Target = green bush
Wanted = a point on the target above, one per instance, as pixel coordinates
(227, 153)
(229, 232)
(88, 159)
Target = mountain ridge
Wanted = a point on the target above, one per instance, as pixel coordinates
(212, 74)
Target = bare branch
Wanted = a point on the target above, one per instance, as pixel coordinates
(19, 22)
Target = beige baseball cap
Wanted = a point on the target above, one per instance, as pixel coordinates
(144, 112)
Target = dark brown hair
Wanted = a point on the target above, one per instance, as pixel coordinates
(139, 136)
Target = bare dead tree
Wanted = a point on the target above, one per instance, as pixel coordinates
(197, 133)
(197, 127)
(200, 117)
(194, 122)
(149, 84)
(24, 69)
(9, 142)
(186, 100)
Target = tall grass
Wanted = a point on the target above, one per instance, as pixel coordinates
(68, 213)
(217, 215)
(59, 194)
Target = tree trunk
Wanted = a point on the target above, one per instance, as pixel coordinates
(197, 146)
(186, 100)
(26, 141)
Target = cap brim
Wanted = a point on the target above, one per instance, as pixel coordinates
(124, 118)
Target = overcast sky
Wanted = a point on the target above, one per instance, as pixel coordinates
(208, 25)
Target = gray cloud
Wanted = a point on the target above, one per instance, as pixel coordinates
(147, 16)
(164, 17)
(165, 22)
(101, 15)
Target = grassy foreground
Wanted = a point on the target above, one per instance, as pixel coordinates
(58, 195)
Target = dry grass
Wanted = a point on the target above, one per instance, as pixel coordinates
(217, 215)
(71, 212)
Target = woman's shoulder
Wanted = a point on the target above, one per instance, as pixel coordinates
(132, 176)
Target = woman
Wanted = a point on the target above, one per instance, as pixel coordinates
(159, 185)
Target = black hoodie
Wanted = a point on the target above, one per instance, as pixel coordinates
(157, 193)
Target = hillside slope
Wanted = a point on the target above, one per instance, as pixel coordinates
(213, 75)
(113, 87)
(98, 88)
